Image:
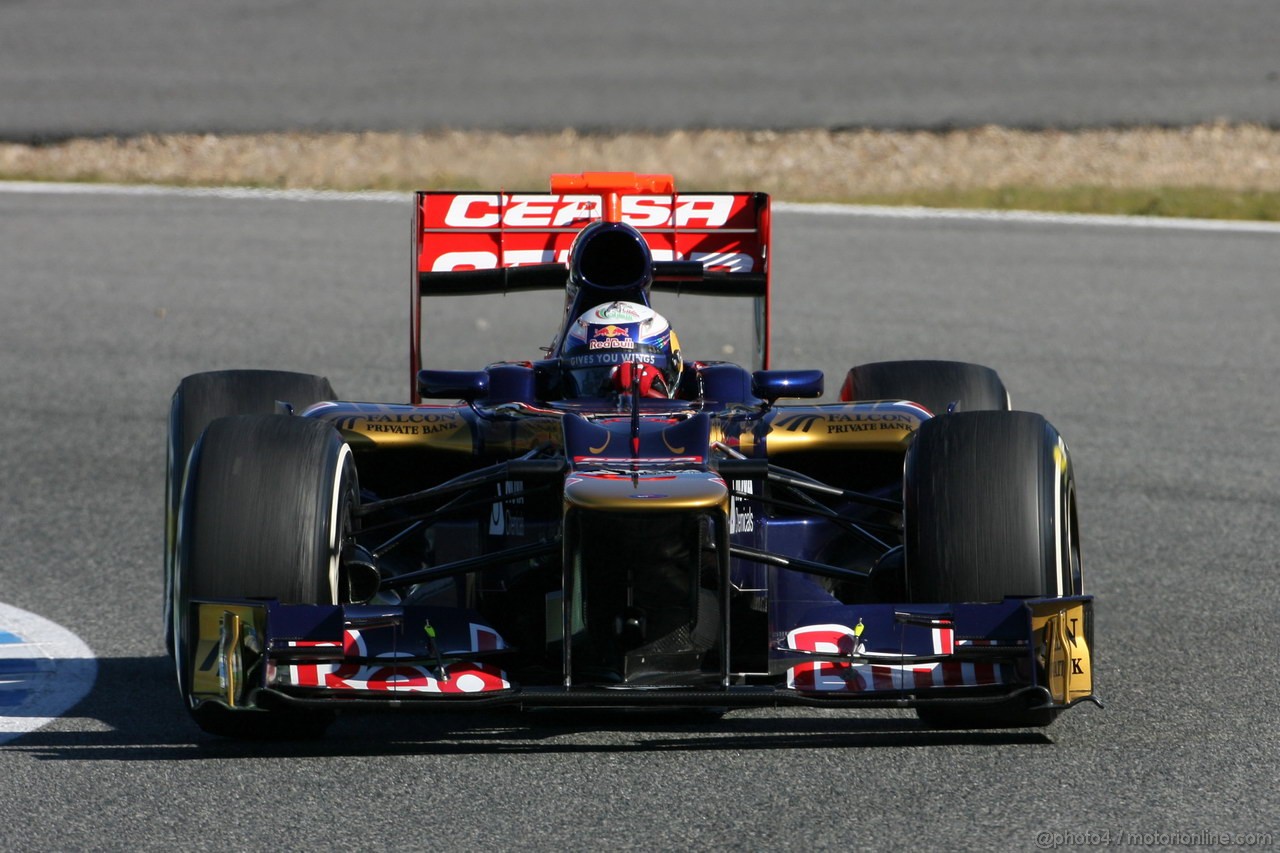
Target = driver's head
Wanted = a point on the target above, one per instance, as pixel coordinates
(616, 346)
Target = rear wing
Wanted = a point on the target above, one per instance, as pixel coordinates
(497, 242)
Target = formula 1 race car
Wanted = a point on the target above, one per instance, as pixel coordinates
(615, 525)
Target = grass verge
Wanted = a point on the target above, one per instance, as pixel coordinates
(1215, 171)
(1188, 202)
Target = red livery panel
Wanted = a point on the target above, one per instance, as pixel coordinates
(462, 231)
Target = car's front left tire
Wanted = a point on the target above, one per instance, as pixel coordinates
(989, 512)
(936, 385)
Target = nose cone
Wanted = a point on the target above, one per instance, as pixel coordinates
(673, 490)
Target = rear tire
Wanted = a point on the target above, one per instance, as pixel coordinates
(933, 384)
(266, 505)
(989, 512)
(204, 397)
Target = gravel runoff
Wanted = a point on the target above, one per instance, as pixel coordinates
(799, 165)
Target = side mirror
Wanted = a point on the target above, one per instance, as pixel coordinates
(769, 385)
(469, 385)
(510, 383)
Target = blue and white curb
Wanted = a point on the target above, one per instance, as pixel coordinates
(44, 671)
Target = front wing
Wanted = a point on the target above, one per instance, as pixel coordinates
(262, 654)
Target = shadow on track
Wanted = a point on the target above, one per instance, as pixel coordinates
(139, 717)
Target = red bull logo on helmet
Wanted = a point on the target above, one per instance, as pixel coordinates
(610, 337)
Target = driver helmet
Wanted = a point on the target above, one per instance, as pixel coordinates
(610, 344)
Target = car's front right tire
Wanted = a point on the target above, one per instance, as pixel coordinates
(266, 504)
(202, 398)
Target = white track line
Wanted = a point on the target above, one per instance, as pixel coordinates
(1158, 222)
(853, 210)
(249, 193)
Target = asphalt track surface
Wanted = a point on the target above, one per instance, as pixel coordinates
(84, 67)
(1154, 350)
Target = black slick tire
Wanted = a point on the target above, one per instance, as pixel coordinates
(936, 385)
(989, 512)
(202, 398)
(266, 504)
